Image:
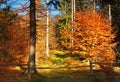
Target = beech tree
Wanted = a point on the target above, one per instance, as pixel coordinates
(92, 37)
(31, 62)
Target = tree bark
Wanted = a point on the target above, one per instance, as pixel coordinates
(32, 65)
(47, 31)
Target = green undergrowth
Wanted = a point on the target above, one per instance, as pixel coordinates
(60, 57)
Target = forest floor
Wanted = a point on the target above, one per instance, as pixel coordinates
(15, 74)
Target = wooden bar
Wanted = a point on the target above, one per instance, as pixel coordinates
(13, 64)
(59, 67)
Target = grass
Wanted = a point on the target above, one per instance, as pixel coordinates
(68, 75)
(71, 75)
(82, 74)
(69, 78)
(60, 79)
(62, 75)
(58, 75)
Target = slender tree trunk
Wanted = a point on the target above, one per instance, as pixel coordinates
(74, 8)
(94, 5)
(32, 65)
(110, 16)
(47, 31)
(72, 18)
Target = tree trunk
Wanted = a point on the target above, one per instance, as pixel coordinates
(32, 65)
(94, 5)
(47, 31)
(110, 16)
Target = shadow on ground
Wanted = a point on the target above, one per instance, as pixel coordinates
(14, 74)
(62, 75)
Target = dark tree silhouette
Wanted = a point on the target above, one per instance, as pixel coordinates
(55, 3)
(32, 65)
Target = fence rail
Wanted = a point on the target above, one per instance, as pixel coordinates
(38, 67)
(106, 63)
(13, 64)
(91, 65)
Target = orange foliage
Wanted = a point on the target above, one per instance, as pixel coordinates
(4, 37)
(66, 37)
(17, 47)
(92, 35)
(19, 43)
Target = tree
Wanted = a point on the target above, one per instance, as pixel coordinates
(14, 37)
(85, 5)
(4, 36)
(31, 62)
(67, 8)
(56, 4)
(92, 37)
(47, 31)
(6, 18)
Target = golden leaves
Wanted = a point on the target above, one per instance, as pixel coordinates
(92, 34)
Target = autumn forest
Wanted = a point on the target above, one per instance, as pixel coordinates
(59, 40)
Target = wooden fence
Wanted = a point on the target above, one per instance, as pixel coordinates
(91, 65)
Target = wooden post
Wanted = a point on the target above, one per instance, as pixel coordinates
(29, 74)
(91, 68)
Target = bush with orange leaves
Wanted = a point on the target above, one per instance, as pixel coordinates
(92, 37)
(14, 39)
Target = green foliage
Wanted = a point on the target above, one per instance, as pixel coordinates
(59, 53)
(64, 58)
(63, 24)
(64, 21)
(56, 60)
(65, 6)
(66, 55)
